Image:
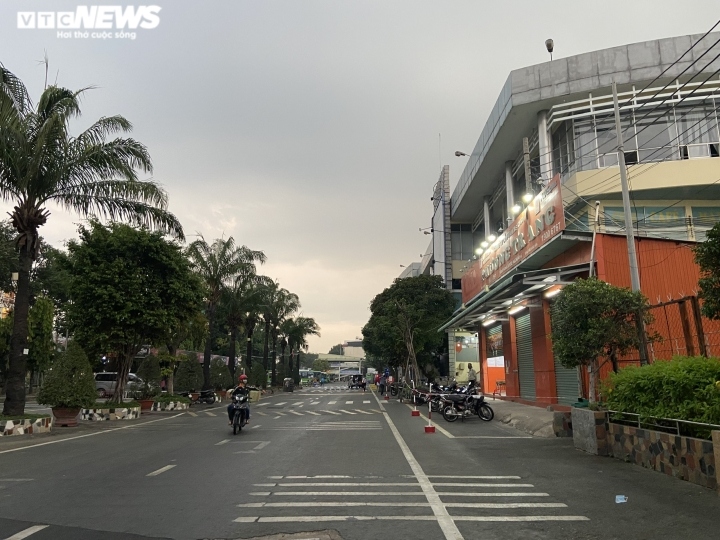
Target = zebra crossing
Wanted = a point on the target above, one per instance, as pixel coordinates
(319, 412)
(328, 498)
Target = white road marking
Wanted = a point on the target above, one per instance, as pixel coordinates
(366, 402)
(521, 518)
(493, 437)
(192, 413)
(161, 470)
(276, 417)
(281, 403)
(306, 519)
(261, 404)
(446, 523)
(333, 504)
(255, 426)
(296, 413)
(332, 402)
(89, 434)
(210, 414)
(261, 413)
(361, 411)
(260, 493)
(313, 413)
(245, 520)
(498, 505)
(467, 477)
(491, 494)
(280, 413)
(315, 403)
(295, 477)
(439, 428)
(16, 479)
(222, 442)
(345, 493)
(348, 403)
(332, 412)
(27, 532)
(347, 412)
(345, 484)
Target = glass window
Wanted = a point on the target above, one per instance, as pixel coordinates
(607, 142)
(585, 146)
(704, 218)
(655, 137)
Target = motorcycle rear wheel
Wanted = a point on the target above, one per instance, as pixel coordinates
(434, 406)
(450, 414)
(485, 412)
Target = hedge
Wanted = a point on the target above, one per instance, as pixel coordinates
(684, 388)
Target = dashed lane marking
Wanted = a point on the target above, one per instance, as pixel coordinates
(210, 414)
(306, 519)
(261, 413)
(255, 426)
(222, 442)
(332, 402)
(318, 403)
(348, 403)
(296, 413)
(361, 411)
(365, 402)
(161, 470)
(313, 413)
(27, 532)
(393, 494)
(192, 413)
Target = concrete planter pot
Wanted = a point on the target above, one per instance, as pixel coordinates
(170, 406)
(589, 429)
(254, 396)
(146, 404)
(66, 417)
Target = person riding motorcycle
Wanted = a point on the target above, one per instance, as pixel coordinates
(240, 389)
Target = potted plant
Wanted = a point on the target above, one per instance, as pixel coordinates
(150, 374)
(69, 385)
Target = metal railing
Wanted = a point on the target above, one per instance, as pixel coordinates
(672, 426)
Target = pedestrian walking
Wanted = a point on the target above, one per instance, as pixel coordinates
(472, 377)
(382, 383)
(363, 383)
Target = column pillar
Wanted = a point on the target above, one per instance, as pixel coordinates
(486, 213)
(509, 187)
(544, 147)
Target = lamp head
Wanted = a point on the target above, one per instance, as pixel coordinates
(549, 45)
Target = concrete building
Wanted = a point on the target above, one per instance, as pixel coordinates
(544, 177)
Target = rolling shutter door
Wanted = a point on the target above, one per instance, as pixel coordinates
(526, 368)
(566, 384)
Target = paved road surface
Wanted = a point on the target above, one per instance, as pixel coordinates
(330, 464)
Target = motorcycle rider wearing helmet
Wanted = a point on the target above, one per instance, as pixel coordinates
(240, 389)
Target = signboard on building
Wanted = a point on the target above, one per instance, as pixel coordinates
(541, 221)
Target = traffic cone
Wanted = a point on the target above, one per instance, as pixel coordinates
(429, 428)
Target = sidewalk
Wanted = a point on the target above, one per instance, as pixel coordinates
(533, 420)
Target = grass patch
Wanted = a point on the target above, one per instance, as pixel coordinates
(4, 418)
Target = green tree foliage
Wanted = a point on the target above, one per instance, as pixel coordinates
(51, 278)
(592, 319)
(129, 287)
(258, 375)
(220, 377)
(189, 376)
(404, 321)
(41, 162)
(69, 383)
(321, 365)
(8, 255)
(6, 326)
(336, 349)
(707, 256)
(41, 346)
(685, 388)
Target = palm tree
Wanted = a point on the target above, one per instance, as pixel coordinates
(239, 304)
(40, 162)
(277, 304)
(301, 329)
(219, 264)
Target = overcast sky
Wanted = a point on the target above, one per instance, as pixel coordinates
(314, 130)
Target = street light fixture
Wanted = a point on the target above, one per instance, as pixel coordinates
(458, 153)
(550, 45)
(479, 251)
(484, 244)
(492, 238)
(516, 209)
(527, 197)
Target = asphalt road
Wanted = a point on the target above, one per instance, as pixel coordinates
(330, 464)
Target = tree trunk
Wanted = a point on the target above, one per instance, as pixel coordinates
(614, 360)
(297, 367)
(124, 366)
(17, 369)
(231, 361)
(172, 351)
(273, 379)
(249, 345)
(208, 347)
(283, 346)
(591, 391)
(266, 351)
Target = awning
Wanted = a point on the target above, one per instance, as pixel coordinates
(511, 292)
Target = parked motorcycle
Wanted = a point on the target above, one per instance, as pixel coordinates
(205, 396)
(465, 406)
(240, 407)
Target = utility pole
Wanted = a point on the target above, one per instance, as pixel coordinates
(632, 255)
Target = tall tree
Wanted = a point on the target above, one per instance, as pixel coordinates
(129, 286)
(301, 329)
(285, 304)
(41, 346)
(404, 320)
(707, 256)
(219, 264)
(336, 349)
(41, 162)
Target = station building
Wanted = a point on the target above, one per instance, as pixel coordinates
(538, 203)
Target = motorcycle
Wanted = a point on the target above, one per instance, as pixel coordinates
(205, 396)
(465, 406)
(240, 407)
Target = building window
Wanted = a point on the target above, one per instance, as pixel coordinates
(461, 238)
(703, 219)
(658, 222)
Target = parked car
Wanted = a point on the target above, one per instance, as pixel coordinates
(105, 383)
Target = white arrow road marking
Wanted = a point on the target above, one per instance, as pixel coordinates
(162, 470)
(27, 532)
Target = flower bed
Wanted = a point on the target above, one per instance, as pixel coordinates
(25, 426)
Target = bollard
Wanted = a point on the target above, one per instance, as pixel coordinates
(414, 412)
(429, 428)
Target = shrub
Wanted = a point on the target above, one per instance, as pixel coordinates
(168, 398)
(258, 376)
(220, 378)
(189, 375)
(69, 383)
(149, 372)
(684, 389)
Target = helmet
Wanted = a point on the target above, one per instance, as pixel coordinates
(242, 378)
